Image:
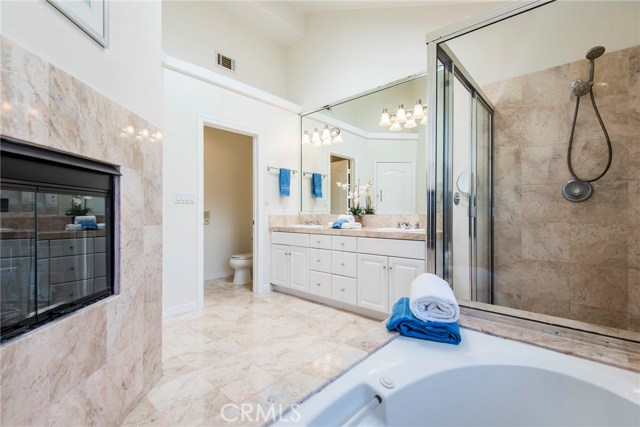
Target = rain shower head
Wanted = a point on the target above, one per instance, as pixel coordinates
(595, 52)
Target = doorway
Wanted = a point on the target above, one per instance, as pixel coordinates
(340, 173)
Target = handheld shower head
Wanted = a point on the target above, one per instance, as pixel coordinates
(595, 52)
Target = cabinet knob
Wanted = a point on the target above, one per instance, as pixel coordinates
(341, 289)
(71, 268)
(70, 246)
(318, 260)
(390, 268)
(318, 284)
(384, 266)
(318, 241)
(342, 243)
(342, 263)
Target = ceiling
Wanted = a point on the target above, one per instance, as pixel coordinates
(284, 21)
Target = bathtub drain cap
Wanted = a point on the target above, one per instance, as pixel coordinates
(387, 382)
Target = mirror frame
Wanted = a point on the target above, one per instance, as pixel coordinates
(558, 326)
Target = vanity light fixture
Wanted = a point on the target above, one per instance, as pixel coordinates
(325, 137)
(306, 139)
(408, 118)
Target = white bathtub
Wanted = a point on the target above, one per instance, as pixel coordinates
(486, 381)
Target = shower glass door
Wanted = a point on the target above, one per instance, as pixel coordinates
(464, 253)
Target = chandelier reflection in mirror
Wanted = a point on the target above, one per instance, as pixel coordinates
(404, 118)
(325, 137)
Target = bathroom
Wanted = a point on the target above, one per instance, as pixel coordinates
(532, 272)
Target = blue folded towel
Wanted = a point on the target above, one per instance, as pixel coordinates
(316, 185)
(338, 223)
(88, 224)
(285, 182)
(403, 321)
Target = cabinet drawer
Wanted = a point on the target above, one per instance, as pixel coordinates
(320, 284)
(14, 248)
(320, 260)
(100, 244)
(67, 292)
(320, 241)
(415, 249)
(341, 243)
(344, 263)
(67, 247)
(293, 239)
(344, 289)
(70, 269)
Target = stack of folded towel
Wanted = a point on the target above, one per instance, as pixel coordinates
(87, 222)
(345, 222)
(431, 312)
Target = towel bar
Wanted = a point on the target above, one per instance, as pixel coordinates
(305, 173)
(272, 168)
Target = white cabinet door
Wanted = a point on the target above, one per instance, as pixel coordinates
(373, 282)
(299, 268)
(280, 265)
(394, 184)
(402, 271)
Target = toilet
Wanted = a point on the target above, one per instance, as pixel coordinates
(242, 264)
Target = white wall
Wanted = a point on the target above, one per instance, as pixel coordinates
(347, 52)
(228, 196)
(186, 99)
(195, 30)
(129, 72)
(551, 35)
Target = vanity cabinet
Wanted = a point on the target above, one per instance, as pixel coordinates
(360, 273)
(290, 261)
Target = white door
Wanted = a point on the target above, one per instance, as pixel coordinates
(299, 268)
(402, 271)
(394, 188)
(339, 173)
(280, 265)
(373, 282)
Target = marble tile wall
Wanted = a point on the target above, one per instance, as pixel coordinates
(91, 367)
(575, 260)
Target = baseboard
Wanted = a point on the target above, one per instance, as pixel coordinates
(219, 275)
(181, 309)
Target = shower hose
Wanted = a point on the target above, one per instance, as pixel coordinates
(606, 135)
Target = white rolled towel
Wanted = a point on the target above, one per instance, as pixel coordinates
(348, 218)
(351, 226)
(72, 227)
(432, 300)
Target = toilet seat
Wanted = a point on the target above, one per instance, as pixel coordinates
(242, 256)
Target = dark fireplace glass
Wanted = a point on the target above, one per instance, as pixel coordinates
(56, 237)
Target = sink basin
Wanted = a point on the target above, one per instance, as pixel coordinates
(401, 230)
(304, 226)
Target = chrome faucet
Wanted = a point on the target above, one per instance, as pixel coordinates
(417, 224)
(403, 224)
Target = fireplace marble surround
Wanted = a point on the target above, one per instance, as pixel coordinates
(92, 366)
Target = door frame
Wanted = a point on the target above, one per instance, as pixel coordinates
(258, 274)
(352, 172)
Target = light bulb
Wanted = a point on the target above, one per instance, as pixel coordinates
(410, 124)
(306, 139)
(423, 121)
(395, 127)
(401, 116)
(418, 112)
(337, 139)
(315, 138)
(384, 120)
(326, 134)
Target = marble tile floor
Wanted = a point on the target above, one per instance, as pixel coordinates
(244, 348)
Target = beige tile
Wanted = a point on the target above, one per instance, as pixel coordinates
(601, 285)
(593, 244)
(607, 205)
(545, 164)
(546, 242)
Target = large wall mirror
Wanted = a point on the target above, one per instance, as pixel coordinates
(361, 148)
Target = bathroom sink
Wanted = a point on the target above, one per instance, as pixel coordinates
(400, 230)
(304, 226)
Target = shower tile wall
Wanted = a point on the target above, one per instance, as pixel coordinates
(575, 260)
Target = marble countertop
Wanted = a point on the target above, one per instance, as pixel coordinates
(384, 233)
(51, 235)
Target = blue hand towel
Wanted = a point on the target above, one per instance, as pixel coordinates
(316, 185)
(403, 321)
(338, 223)
(285, 182)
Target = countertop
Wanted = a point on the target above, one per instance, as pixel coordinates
(362, 232)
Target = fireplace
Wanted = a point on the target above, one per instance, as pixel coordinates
(58, 223)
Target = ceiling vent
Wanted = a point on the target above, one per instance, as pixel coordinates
(226, 62)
